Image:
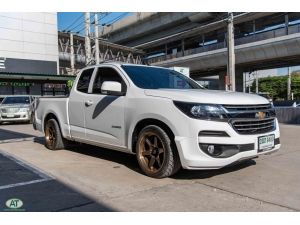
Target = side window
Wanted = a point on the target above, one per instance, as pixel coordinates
(107, 74)
(84, 80)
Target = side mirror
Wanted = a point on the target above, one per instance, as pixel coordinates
(111, 88)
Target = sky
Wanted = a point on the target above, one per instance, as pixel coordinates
(74, 21)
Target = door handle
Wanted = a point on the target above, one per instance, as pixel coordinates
(88, 103)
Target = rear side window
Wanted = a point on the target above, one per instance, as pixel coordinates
(84, 80)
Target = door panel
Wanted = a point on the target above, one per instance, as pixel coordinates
(105, 119)
(104, 114)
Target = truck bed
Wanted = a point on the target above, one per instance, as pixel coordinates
(57, 106)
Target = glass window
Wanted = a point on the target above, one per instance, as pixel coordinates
(84, 80)
(16, 100)
(154, 78)
(107, 74)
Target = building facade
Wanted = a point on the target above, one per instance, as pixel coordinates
(29, 54)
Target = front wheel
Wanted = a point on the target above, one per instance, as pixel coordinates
(156, 153)
(53, 136)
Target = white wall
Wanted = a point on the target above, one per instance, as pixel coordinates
(29, 36)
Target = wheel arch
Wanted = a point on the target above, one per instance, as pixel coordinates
(146, 122)
(51, 115)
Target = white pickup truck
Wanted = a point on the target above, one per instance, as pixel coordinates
(165, 118)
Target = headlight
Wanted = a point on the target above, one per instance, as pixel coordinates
(202, 111)
(23, 110)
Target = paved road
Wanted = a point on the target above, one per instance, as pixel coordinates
(87, 178)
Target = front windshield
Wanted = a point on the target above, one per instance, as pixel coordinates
(16, 100)
(154, 78)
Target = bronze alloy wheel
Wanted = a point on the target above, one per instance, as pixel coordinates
(152, 152)
(51, 135)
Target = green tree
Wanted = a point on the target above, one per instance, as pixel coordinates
(70, 84)
(276, 86)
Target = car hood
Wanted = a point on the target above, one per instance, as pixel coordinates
(14, 106)
(208, 96)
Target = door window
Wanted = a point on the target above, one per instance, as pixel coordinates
(107, 74)
(84, 80)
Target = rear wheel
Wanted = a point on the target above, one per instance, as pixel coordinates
(156, 153)
(54, 139)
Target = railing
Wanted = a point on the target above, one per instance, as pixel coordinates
(292, 29)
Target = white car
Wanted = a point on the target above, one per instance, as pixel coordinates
(16, 109)
(162, 116)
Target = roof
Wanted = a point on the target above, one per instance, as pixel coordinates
(35, 76)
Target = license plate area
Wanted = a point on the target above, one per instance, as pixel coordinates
(266, 142)
(10, 115)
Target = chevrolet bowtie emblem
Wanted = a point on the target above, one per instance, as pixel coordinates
(260, 115)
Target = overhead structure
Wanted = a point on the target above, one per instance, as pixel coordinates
(107, 52)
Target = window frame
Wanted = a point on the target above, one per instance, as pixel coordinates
(81, 74)
(117, 70)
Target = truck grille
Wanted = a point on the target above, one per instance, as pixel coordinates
(247, 108)
(253, 126)
(251, 119)
(10, 110)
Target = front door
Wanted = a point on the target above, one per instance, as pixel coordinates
(104, 114)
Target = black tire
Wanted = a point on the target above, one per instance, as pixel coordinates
(53, 137)
(166, 165)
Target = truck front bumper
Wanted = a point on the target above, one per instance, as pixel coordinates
(16, 117)
(193, 157)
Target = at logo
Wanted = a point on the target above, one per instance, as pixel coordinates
(14, 203)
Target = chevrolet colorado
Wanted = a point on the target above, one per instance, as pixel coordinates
(167, 119)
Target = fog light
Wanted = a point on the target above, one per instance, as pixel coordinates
(211, 149)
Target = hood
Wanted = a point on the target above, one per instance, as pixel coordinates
(208, 96)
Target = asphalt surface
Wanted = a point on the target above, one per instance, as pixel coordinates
(87, 178)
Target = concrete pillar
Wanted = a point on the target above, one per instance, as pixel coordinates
(97, 51)
(72, 56)
(230, 52)
(87, 42)
(239, 81)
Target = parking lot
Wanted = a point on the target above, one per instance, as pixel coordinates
(87, 178)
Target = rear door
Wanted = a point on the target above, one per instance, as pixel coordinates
(104, 114)
(77, 99)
